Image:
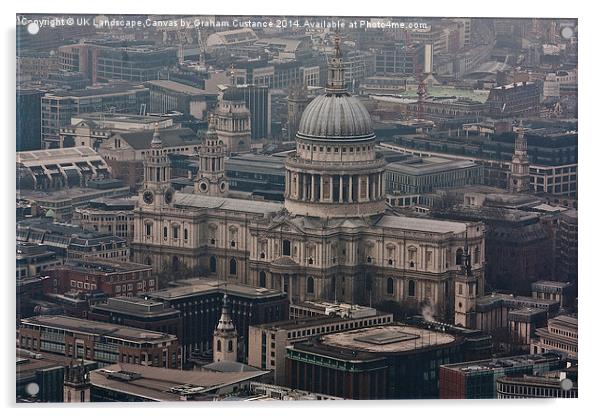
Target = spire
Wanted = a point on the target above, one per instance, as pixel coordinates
(225, 323)
(211, 133)
(336, 72)
(156, 142)
(520, 144)
(466, 260)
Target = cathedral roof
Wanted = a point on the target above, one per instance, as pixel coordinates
(336, 114)
(170, 137)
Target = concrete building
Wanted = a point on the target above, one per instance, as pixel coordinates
(140, 383)
(167, 95)
(562, 292)
(514, 100)
(91, 129)
(268, 342)
(200, 302)
(29, 122)
(553, 384)
(380, 362)
(116, 60)
(415, 176)
(477, 379)
(102, 342)
(138, 312)
(60, 106)
(34, 259)
(56, 169)
(560, 336)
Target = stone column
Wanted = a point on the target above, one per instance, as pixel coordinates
(340, 188)
(313, 188)
(331, 199)
(350, 188)
(303, 187)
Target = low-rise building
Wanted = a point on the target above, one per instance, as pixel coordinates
(200, 301)
(554, 384)
(561, 335)
(140, 383)
(47, 372)
(102, 342)
(34, 259)
(72, 242)
(477, 379)
(558, 291)
(113, 278)
(107, 215)
(268, 342)
(420, 175)
(138, 313)
(55, 169)
(379, 362)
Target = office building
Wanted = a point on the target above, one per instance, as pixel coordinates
(268, 342)
(477, 379)
(561, 336)
(60, 106)
(102, 342)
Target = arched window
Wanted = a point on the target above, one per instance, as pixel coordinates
(230, 345)
(389, 286)
(148, 261)
(219, 345)
(310, 284)
(185, 233)
(175, 263)
(232, 266)
(286, 248)
(175, 231)
(459, 254)
(262, 279)
(213, 264)
(149, 229)
(411, 288)
(164, 232)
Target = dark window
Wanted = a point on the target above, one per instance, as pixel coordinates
(185, 233)
(411, 288)
(310, 284)
(232, 266)
(286, 248)
(164, 232)
(262, 279)
(389, 286)
(230, 345)
(219, 345)
(213, 265)
(459, 253)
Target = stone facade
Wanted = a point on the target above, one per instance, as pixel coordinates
(332, 239)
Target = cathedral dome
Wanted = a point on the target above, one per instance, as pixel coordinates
(335, 116)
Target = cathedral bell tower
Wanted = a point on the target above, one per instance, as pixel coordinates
(225, 337)
(156, 191)
(519, 180)
(465, 292)
(76, 386)
(211, 179)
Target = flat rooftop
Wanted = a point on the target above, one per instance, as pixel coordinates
(49, 156)
(162, 384)
(201, 286)
(176, 86)
(429, 165)
(101, 328)
(120, 118)
(28, 363)
(387, 339)
(502, 363)
(142, 307)
(97, 91)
